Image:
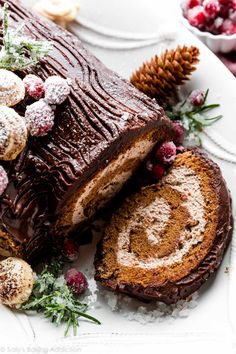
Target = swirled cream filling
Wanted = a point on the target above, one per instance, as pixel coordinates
(157, 213)
(106, 183)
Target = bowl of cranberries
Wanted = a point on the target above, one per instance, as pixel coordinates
(213, 21)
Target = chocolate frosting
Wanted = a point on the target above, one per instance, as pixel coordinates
(89, 130)
(171, 292)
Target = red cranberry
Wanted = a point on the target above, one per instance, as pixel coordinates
(218, 23)
(196, 98)
(158, 171)
(225, 2)
(166, 152)
(76, 281)
(34, 86)
(71, 250)
(232, 14)
(39, 118)
(57, 90)
(224, 8)
(196, 16)
(211, 7)
(193, 3)
(228, 27)
(179, 132)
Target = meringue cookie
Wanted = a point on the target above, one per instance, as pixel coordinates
(16, 281)
(13, 133)
(12, 88)
(59, 11)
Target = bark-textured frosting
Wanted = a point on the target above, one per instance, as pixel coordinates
(196, 270)
(90, 128)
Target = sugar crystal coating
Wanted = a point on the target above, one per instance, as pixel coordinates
(39, 118)
(196, 98)
(214, 16)
(166, 152)
(57, 90)
(34, 86)
(76, 280)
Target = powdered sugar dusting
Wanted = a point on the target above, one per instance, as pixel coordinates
(12, 89)
(13, 133)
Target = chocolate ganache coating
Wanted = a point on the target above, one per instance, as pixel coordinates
(89, 129)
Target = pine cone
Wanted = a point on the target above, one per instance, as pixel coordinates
(160, 77)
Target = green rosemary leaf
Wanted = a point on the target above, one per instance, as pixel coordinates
(205, 97)
(83, 314)
(68, 327)
(55, 300)
(193, 118)
(215, 119)
(18, 51)
(206, 108)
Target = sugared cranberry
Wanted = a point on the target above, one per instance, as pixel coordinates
(179, 132)
(232, 14)
(158, 171)
(166, 152)
(39, 118)
(211, 7)
(228, 27)
(34, 86)
(57, 90)
(218, 23)
(71, 250)
(3, 180)
(196, 16)
(196, 98)
(76, 281)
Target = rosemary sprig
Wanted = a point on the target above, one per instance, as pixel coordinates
(193, 118)
(18, 51)
(52, 297)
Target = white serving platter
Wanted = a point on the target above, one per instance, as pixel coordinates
(211, 325)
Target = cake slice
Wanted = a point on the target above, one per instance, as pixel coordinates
(102, 132)
(166, 240)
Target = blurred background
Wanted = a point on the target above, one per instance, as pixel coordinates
(212, 21)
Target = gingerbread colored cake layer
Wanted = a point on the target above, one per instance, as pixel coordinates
(166, 240)
(101, 134)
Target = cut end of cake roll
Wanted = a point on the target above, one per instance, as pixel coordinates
(107, 181)
(166, 240)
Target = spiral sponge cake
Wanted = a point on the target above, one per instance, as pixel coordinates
(101, 134)
(165, 241)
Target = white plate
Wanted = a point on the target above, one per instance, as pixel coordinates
(212, 324)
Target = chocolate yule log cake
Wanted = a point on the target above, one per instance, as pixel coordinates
(102, 132)
(166, 240)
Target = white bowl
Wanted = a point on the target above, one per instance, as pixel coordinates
(216, 42)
